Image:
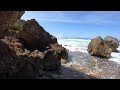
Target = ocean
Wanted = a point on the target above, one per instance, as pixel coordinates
(81, 45)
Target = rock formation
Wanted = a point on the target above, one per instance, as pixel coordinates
(18, 60)
(98, 47)
(27, 63)
(112, 42)
(7, 19)
(18, 25)
(34, 36)
(62, 52)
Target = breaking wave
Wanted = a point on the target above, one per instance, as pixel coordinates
(81, 45)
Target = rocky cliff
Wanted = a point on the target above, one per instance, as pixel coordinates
(7, 19)
(31, 53)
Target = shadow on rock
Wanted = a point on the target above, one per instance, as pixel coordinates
(13, 66)
(16, 62)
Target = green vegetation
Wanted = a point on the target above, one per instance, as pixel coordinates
(17, 26)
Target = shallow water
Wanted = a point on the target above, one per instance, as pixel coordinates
(83, 66)
(97, 67)
(82, 46)
(80, 60)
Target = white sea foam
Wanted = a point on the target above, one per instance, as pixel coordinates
(75, 44)
(82, 46)
(116, 56)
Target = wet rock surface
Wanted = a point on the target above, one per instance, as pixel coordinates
(100, 68)
(83, 66)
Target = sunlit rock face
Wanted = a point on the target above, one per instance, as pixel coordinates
(34, 36)
(8, 18)
(112, 42)
(97, 47)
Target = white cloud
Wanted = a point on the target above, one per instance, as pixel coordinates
(90, 17)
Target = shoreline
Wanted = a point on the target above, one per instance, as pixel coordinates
(89, 67)
(97, 67)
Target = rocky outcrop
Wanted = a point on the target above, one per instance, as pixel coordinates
(8, 18)
(31, 53)
(112, 42)
(61, 51)
(28, 64)
(34, 36)
(98, 47)
(15, 63)
(55, 56)
(18, 25)
(51, 60)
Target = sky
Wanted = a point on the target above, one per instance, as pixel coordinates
(77, 24)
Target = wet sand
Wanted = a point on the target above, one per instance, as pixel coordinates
(85, 66)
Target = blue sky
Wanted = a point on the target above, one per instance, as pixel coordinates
(78, 24)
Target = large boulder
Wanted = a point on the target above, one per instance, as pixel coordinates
(54, 57)
(97, 47)
(112, 42)
(34, 36)
(7, 19)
